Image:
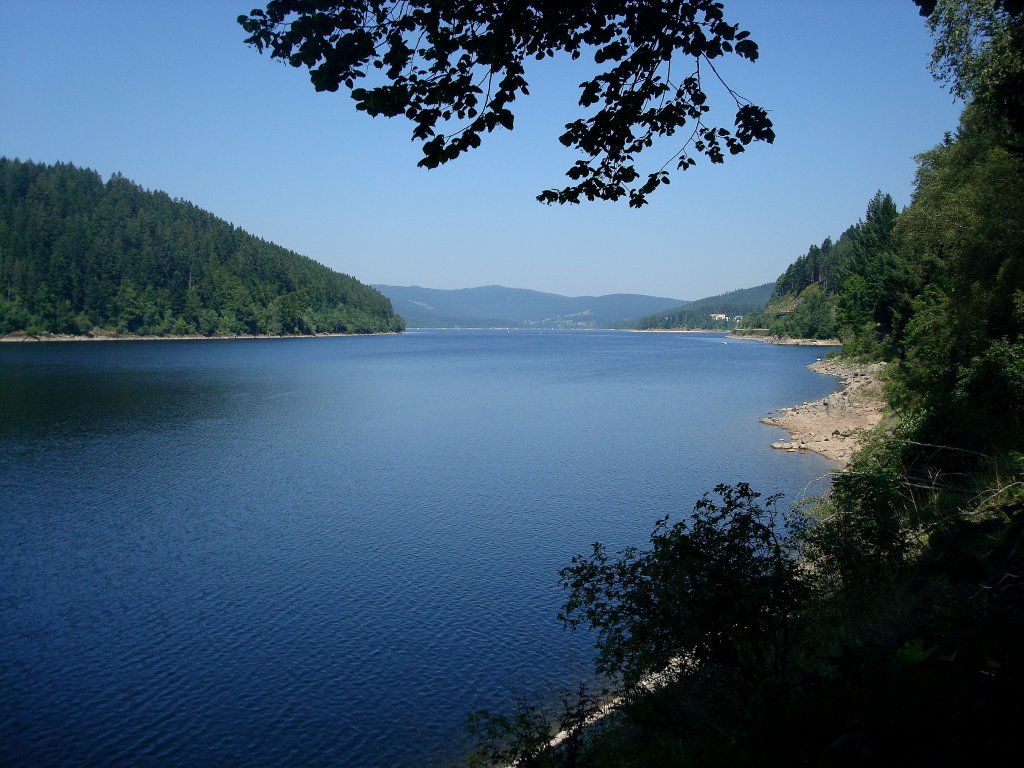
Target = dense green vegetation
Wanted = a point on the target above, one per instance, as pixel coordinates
(938, 288)
(837, 288)
(697, 315)
(78, 255)
(884, 622)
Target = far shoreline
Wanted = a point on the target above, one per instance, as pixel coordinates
(680, 330)
(46, 338)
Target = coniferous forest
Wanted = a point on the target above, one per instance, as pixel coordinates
(937, 288)
(80, 256)
(884, 621)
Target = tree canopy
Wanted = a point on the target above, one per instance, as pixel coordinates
(888, 619)
(454, 69)
(78, 254)
(979, 54)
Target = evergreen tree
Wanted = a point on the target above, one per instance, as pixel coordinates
(77, 254)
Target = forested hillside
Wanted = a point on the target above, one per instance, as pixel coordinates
(80, 256)
(824, 293)
(698, 314)
(938, 288)
(883, 621)
(886, 618)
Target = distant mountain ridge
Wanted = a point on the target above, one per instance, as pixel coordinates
(497, 306)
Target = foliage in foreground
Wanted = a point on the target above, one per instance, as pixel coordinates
(715, 589)
(455, 70)
(888, 627)
(902, 599)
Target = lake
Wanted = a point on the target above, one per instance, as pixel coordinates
(329, 551)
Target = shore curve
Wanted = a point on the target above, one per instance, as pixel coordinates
(834, 426)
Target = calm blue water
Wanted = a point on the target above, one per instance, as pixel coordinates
(329, 551)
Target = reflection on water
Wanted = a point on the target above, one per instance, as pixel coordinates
(328, 551)
(84, 403)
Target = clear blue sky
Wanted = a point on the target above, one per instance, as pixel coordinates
(167, 94)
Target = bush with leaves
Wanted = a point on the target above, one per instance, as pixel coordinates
(532, 737)
(719, 588)
(859, 539)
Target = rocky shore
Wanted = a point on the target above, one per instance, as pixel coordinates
(785, 340)
(835, 426)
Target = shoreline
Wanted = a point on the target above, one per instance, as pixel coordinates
(787, 341)
(680, 330)
(44, 338)
(834, 426)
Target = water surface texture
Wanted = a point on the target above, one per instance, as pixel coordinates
(329, 551)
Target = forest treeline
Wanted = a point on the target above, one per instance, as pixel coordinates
(700, 314)
(80, 256)
(882, 622)
(823, 293)
(937, 288)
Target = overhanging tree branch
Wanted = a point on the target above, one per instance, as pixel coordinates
(424, 59)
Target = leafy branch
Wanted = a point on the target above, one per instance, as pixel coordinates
(427, 60)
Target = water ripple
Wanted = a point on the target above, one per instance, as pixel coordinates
(328, 553)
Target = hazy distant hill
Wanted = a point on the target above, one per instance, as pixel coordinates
(699, 314)
(496, 306)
